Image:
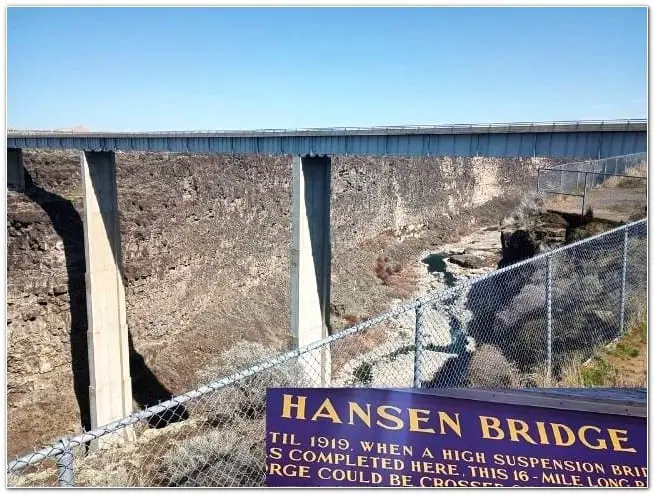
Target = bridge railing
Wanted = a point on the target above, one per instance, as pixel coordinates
(576, 179)
(534, 323)
(511, 127)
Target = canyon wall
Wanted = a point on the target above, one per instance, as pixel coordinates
(205, 244)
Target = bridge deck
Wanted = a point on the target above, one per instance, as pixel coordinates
(556, 139)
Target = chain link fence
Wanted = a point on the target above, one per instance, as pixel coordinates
(518, 326)
(576, 179)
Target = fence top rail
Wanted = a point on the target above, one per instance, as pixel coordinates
(56, 448)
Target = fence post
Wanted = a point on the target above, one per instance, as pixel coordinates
(583, 202)
(548, 299)
(538, 183)
(417, 359)
(65, 466)
(623, 286)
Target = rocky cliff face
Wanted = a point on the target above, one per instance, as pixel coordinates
(532, 229)
(205, 244)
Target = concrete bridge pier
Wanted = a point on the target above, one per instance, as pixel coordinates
(110, 388)
(311, 264)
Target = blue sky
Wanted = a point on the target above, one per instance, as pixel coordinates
(128, 69)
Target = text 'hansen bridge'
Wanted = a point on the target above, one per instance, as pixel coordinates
(310, 149)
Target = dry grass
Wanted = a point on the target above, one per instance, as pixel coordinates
(355, 345)
(632, 183)
(621, 364)
(261, 314)
(246, 398)
(43, 474)
(384, 269)
(628, 182)
(530, 206)
(563, 203)
(109, 475)
(189, 454)
(114, 463)
(231, 454)
(218, 458)
(351, 320)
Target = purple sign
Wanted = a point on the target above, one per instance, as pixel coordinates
(385, 438)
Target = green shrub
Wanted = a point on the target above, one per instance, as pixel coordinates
(599, 373)
(363, 374)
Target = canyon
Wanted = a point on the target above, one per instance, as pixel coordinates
(206, 245)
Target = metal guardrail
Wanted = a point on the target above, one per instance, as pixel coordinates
(526, 320)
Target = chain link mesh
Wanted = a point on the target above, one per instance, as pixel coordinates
(570, 178)
(519, 326)
(635, 274)
(585, 182)
(586, 300)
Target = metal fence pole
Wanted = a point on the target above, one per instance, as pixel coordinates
(548, 298)
(538, 183)
(65, 466)
(583, 202)
(560, 180)
(419, 347)
(623, 287)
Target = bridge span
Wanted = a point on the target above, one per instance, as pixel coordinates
(310, 151)
(584, 139)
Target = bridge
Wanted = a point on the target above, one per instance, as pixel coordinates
(587, 139)
(310, 151)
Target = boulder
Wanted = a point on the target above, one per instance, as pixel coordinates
(524, 239)
(467, 261)
(489, 368)
(517, 246)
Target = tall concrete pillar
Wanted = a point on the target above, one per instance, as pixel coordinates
(110, 384)
(15, 171)
(311, 264)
